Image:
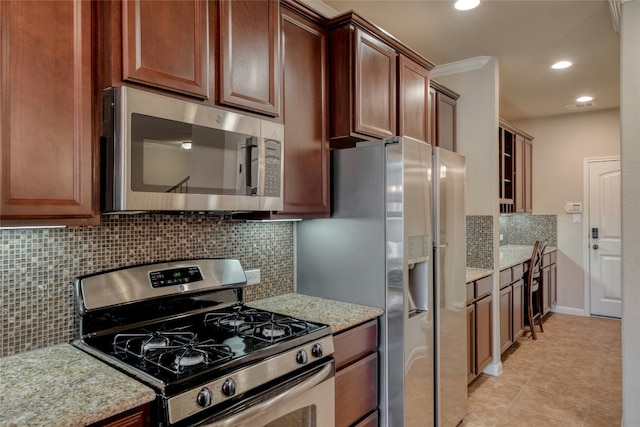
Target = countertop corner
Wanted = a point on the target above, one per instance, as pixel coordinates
(338, 315)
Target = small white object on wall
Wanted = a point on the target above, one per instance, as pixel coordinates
(573, 207)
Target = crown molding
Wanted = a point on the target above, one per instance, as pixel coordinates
(614, 10)
(460, 66)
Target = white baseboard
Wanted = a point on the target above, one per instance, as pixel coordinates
(569, 310)
(494, 369)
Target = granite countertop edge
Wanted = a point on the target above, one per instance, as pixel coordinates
(474, 273)
(61, 385)
(339, 315)
(511, 255)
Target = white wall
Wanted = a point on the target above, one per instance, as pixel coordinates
(630, 111)
(560, 145)
(476, 80)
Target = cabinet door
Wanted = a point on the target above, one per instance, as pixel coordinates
(553, 286)
(306, 149)
(546, 288)
(249, 55)
(375, 87)
(517, 310)
(471, 343)
(506, 326)
(47, 142)
(413, 105)
(432, 117)
(164, 44)
(484, 326)
(356, 390)
(446, 122)
(528, 169)
(519, 181)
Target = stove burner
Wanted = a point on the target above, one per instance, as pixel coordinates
(236, 317)
(189, 359)
(236, 322)
(155, 342)
(274, 331)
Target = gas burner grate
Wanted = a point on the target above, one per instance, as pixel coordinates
(175, 352)
(237, 318)
(275, 329)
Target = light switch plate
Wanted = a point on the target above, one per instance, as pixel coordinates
(577, 218)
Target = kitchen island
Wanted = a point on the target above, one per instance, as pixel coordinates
(64, 386)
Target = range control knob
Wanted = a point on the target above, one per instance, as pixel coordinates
(204, 397)
(229, 387)
(301, 357)
(316, 350)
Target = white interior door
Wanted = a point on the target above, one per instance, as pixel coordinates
(605, 238)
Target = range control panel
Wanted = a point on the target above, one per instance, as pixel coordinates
(175, 276)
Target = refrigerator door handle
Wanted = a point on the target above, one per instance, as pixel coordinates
(418, 289)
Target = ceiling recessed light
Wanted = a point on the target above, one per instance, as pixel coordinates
(585, 99)
(561, 64)
(466, 4)
(186, 145)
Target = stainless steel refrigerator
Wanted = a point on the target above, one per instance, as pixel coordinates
(396, 240)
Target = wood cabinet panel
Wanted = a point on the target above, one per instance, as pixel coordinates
(515, 169)
(356, 390)
(505, 277)
(471, 343)
(413, 105)
(375, 86)
(136, 417)
(528, 179)
(519, 199)
(505, 318)
(553, 286)
(517, 310)
(484, 327)
(355, 343)
(446, 120)
(47, 138)
(546, 289)
(484, 287)
(164, 44)
(249, 55)
(306, 150)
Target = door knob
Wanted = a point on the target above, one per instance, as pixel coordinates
(595, 246)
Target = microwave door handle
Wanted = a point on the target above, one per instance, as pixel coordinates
(251, 165)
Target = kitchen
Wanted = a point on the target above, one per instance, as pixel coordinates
(48, 258)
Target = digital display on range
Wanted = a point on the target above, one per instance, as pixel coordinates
(175, 276)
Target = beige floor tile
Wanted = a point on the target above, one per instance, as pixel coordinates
(518, 417)
(570, 376)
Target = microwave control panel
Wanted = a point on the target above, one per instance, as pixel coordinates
(272, 168)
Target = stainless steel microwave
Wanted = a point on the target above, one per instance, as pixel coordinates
(160, 153)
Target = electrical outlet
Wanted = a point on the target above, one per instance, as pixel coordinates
(501, 237)
(253, 276)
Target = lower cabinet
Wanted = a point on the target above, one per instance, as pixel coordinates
(506, 318)
(356, 358)
(479, 326)
(549, 282)
(136, 417)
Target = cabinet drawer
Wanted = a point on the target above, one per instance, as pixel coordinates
(517, 271)
(546, 260)
(553, 257)
(355, 343)
(470, 292)
(505, 277)
(356, 390)
(484, 287)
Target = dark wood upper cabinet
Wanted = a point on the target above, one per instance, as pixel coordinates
(413, 105)
(47, 141)
(362, 87)
(165, 45)
(249, 76)
(306, 149)
(515, 169)
(443, 116)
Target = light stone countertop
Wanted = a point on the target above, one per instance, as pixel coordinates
(511, 255)
(64, 386)
(337, 314)
(474, 273)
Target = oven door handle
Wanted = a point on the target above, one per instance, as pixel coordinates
(258, 410)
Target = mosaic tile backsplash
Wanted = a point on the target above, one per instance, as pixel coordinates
(37, 306)
(480, 241)
(525, 229)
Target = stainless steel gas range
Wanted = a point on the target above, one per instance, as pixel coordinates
(181, 327)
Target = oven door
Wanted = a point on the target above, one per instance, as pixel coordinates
(305, 401)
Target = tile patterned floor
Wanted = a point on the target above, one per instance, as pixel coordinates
(570, 376)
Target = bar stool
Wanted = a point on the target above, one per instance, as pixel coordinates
(532, 287)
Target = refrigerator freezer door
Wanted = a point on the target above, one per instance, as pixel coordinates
(417, 267)
(450, 253)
